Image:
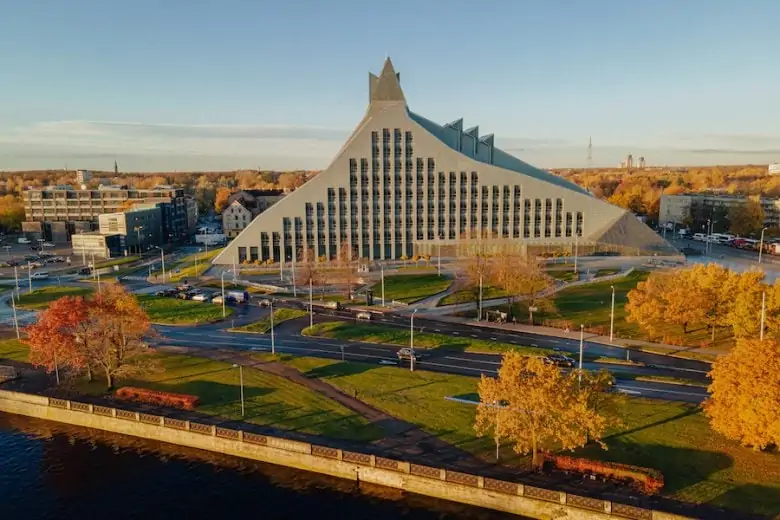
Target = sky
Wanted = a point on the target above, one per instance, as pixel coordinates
(227, 84)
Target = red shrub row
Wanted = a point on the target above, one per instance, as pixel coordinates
(155, 397)
(650, 481)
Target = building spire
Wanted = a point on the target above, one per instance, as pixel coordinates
(387, 87)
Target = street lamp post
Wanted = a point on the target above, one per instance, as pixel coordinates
(438, 260)
(222, 278)
(612, 316)
(16, 277)
(162, 260)
(273, 345)
(411, 341)
(576, 249)
(241, 383)
(582, 344)
(480, 297)
(16, 321)
(29, 275)
(311, 304)
(761, 246)
(292, 264)
(382, 270)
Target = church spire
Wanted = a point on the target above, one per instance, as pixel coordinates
(387, 87)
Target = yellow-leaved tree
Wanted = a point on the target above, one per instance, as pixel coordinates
(744, 404)
(536, 407)
(523, 278)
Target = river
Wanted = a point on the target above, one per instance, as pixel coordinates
(54, 471)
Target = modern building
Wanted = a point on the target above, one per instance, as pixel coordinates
(191, 206)
(99, 245)
(773, 169)
(404, 185)
(141, 228)
(55, 213)
(83, 176)
(243, 206)
(695, 209)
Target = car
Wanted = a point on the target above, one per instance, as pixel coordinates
(166, 292)
(43, 254)
(265, 302)
(559, 360)
(31, 258)
(363, 316)
(48, 245)
(407, 353)
(84, 271)
(202, 297)
(22, 240)
(40, 275)
(218, 299)
(12, 263)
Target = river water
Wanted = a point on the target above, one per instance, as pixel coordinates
(54, 471)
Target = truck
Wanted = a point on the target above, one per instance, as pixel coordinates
(334, 306)
(238, 296)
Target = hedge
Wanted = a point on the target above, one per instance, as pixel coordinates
(158, 398)
(650, 481)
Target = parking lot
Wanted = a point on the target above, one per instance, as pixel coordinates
(52, 257)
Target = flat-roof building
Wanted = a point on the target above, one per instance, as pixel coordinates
(404, 185)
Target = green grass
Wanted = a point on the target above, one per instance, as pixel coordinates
(264, 325)
(116, 261)
(606, 272)
(400, 336)
(192, 266)
(41, 298)
(672, 380)
(180, 312)
(618, 361)
(563, 276)
(410, 288)
(13, 350)
(470, 295)
(699, 465)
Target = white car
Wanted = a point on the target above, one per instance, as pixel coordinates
(22, 240)
(202, 297)
(48, 244)
(363, 315)
(39, 275)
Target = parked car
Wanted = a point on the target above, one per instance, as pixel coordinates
(48, 245)
(31, 258)
(559, 360)
(22, 240)
(43, 254)
(265, 302)
(84, 271)
(39, 275)
(202, 297)
(166, 292)
(218, 299)
(407, 353)
(363, 315)
(699, 237)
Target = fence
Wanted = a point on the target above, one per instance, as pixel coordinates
(359, 460)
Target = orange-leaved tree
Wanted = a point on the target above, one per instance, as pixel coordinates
(536, 407)
(221, 199)
(744, 404)
(54, 340)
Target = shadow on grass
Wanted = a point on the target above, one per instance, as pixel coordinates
(212, 393)
(171, 380)
(616, 436)
(338, 370)
(763, 500)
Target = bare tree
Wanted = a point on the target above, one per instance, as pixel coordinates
(520, 277)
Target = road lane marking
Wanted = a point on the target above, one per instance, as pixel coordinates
(664, 391)
(473, 360)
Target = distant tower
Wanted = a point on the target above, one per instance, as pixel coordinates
(116, 168)
(629, 161)
(641, 162)
(590, 151)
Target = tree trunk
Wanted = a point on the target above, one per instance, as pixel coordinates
(498, 445)
(685, 327)
(713, 334)
(530, 315)
(535, 454)
(90, 376)
(109, 380)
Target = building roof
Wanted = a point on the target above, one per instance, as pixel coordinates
(263, 193)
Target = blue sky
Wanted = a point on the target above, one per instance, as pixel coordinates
(202, 84)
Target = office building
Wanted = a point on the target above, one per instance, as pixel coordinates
(55, 213)
(694, 209)
(141, 228)
(404, 185)
(243, 206)
(95, 244)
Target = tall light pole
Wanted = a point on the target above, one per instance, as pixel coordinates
(761, 245)
(582, 344)
(16, 321)
(292, 264)
(441, 237)
(29, 275)
(576, 249)
(241, 383)
(311, 304)
(273, 345)
(612, 316)
(480, 297)
(411, 341)
(162, 260)
(16, 276)
(222, 278)
(763, 315)
(382, 270)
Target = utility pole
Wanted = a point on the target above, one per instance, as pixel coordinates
(16, 277)
(311, 304)
(576, 249)
(273, 345)
(582, 344)
(441, 237)
(480, 297)
(412, 355)
(241, 383)
(29, 275)
(16, 321)
(763, 314)
(295, 291)
(222, 279)
(612, 316)
(761, 246)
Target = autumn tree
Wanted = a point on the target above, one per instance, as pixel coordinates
(54, 338)
(744, 404)
(746, 219)
(11, 213)
(345, 268)
(221, 199)
(120, 325)
(536, 407)
(520, 277)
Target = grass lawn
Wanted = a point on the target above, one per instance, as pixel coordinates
(410, 288)
(672, 380)
(179, 312)
(264, 325)
(606, 272)
(13, 350)
(563, 276)
(470, 295)
(116, 261)
(400, 336)
(192, 265)
(40, 298)
(698, 465)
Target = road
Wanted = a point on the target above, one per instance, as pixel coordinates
(436, 360)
